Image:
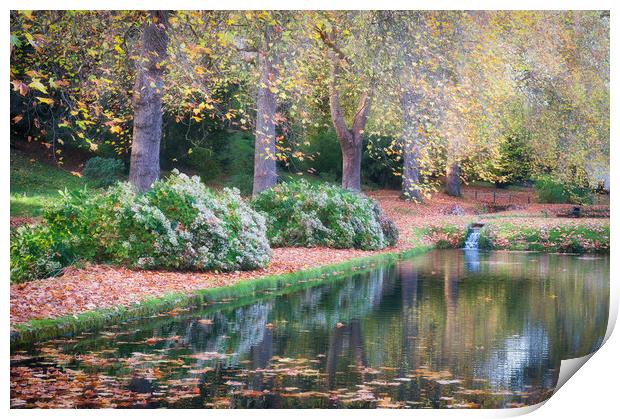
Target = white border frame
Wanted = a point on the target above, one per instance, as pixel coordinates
(592, 392)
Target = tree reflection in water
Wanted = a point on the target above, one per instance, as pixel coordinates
(446, 329)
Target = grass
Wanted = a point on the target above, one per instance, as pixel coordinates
(550, 236)
(35, 185)
(40, 329)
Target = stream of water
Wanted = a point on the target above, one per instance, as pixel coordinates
(471, 242)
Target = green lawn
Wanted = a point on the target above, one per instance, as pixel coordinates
(35, 185)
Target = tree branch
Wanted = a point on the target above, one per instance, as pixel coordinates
(342, 132)
(332, 45)
(363, 109)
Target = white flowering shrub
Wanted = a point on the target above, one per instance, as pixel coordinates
(303, 214)
(178, 224)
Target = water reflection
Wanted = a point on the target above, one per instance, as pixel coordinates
(446, 329)
(472, 259)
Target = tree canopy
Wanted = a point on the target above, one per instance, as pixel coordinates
(466, 95)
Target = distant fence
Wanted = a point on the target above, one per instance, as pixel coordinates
(499, 197)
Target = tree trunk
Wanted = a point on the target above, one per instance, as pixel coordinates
(351, 166)
(453, 179)
(410, 143)
(265, 175)
(350, 139)
(147, 95)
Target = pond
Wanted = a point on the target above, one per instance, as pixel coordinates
(449, 328)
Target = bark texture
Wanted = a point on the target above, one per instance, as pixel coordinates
(410, 143)
(453, 179)
(350, 139)
(147, 97)
(265, 175)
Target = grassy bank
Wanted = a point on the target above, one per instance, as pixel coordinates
(546, 235)
(554, 235)
(40, 329)
(445, 236)
(543, 234)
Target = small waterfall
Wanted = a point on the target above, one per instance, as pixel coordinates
(472, 238)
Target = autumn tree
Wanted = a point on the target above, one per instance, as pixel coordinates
(147, 101)
(562, 77)
(71, 77)
(332, 35)
(267, 28)
(471, 89)
(266, 104)
(449, 90)
(258, 45)
(409, 52)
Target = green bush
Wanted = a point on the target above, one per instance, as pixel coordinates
(33, 254)
(323, 154)
(514, 165)
(300, 213)
(178, 224)
(203, 161)
(380, 162)
(104, 171)
(71, 230)
(241, 181)
(237, 155)
(550, 190)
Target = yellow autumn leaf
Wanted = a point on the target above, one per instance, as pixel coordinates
(46, 100)
(36, 84)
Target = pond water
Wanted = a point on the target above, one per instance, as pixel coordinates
(450, 328)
